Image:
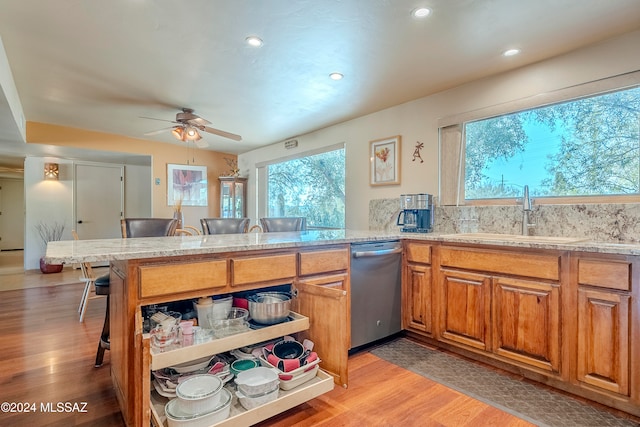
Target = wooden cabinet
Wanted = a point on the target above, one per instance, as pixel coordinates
(417, 305)
(465, 309)
(604, 354)
(324, 300)
(566, 318)
(322, 315)
(603, 340)
(417, 291)
(504, 303)
(233, 197)
(526, 322)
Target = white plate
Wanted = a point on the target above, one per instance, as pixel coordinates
(162, 391)
(193, 365)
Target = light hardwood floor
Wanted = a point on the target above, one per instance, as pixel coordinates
(46, 357)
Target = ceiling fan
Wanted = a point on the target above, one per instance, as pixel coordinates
(187, 127)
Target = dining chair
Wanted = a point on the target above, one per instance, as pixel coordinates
(283, 224)
(148, 227)
(89, 279)
(224, 225)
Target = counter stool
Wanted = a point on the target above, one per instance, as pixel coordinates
(102, 288)
(283, 224)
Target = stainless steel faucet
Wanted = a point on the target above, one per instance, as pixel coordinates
(526, 208)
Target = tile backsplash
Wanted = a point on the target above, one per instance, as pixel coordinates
(618, 222)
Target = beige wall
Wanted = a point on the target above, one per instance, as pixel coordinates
(418, 121)
(161, 154)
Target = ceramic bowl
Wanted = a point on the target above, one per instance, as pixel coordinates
(199, 394)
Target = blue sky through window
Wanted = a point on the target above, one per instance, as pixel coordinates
(528, 167)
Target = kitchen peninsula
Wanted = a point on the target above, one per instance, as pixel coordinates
(583, 296)
(146, 271)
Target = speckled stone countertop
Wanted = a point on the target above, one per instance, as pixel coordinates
(75, 251)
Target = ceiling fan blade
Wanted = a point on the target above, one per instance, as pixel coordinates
(156, 132)
(160, 120)
(199, 121)
(222, 133)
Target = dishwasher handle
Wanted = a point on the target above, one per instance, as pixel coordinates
(363, 254)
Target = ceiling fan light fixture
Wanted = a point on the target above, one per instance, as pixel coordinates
(178, 132)
(191, 134)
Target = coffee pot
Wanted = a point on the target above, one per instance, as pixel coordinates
(416, 213)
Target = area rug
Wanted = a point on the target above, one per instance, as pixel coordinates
(535, 404)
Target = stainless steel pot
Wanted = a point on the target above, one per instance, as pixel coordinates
(268, 308)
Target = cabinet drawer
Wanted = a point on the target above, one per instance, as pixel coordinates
(521, 264)
(263, 269)
(606, 274)
(323, 261)
(161, 279)
(418, 252)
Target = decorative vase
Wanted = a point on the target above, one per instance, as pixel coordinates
(49, 268)
(179, 216)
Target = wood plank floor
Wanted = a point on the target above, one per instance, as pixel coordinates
(46, 357)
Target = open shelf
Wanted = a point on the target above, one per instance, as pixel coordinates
(179, 355)
(239, 416)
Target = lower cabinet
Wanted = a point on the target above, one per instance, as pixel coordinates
(526, 322)
(417, 296)
(319, 279)
(324, 300)
(605, 355)
(569, 319)
(603, 340)
(465, 309)
(239, 416)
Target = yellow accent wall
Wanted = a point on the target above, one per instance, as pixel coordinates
(161, 154)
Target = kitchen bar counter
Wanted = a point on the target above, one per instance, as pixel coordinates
(106, 250)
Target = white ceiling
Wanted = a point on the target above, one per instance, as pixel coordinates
(102, 65)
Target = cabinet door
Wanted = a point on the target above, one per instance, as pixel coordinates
(526, 316)
(324, 301)
(417, 311)
(603, 340)
(465, 309)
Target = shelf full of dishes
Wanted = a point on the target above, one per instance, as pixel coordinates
(274, 375)
(229, 411)
(185, 330)
(178, 352)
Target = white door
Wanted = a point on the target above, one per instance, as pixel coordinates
(11, 214)
(98, 200)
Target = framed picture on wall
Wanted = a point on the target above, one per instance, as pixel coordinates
(384, 156)
(188, 184)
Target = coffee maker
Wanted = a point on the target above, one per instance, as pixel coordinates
(416, 213)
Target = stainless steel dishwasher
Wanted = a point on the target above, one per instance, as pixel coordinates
(375, 291)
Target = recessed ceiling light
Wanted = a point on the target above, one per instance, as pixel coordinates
(421, 12)
(511, 52)
(336, 76)
(254, 41)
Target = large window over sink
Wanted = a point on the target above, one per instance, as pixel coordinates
(579, 144)
(312, 185)
(583, 147)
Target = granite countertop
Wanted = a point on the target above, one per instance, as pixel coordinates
(100, 250)
(75, 251)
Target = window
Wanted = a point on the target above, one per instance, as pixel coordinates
(584, 147)
(312, 186)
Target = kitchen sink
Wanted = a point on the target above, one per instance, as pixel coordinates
(514, 238)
